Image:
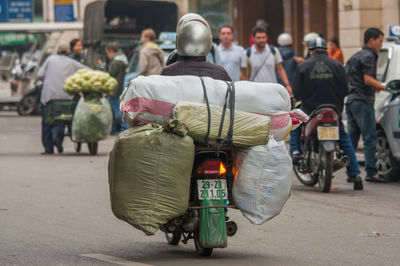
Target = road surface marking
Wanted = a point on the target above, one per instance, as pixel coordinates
(114, 260)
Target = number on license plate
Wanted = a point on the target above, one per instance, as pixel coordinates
(328, 133)
(209, 188)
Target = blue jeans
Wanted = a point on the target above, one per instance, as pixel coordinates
(50, 133)
(361, 121)
(345, 145)
(117, 117)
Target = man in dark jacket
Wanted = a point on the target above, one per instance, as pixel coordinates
(321, 80)
(193, 43)
(117, 69)
(361, 74)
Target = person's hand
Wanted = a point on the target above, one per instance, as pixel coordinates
(298, 59)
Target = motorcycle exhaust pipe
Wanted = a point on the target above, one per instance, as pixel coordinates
(340, 163)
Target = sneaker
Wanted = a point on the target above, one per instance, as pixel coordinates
(47, 152)
(350, 179)
(296, 157)
(378, 179)
(358, 184)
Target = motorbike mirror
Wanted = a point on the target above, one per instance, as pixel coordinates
(393, 86)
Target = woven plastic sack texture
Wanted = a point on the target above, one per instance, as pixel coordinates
(248, 129)
(149, 174)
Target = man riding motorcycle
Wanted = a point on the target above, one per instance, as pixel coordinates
(321, 80)
(193, 43)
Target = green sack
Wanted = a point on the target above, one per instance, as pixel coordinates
(212, 223)
(149, 174)
(92, 121)
(248, 129)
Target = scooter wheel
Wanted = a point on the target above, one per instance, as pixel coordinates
(27, 105)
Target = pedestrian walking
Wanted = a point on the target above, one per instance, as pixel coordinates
(321, 80)
(54, 71)
(76, 50)
(116, 67)
(334, 50)
(230, 53)
(151, 57)
(261, 59)
(361, 76)
(289, 55)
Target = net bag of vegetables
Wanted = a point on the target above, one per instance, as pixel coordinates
(92, 120)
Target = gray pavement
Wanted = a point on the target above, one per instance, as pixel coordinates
(55, 210)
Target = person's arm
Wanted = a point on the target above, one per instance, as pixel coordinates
(42, 70)
(298, 90)
(371, 82)
(283, 76)
(243, 75)
(143, 63)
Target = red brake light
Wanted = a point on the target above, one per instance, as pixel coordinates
(327, 116)
(211, 167)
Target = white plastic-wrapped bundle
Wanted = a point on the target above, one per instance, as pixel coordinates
(264, 181)
(152, 99)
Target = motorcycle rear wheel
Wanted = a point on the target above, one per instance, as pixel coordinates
(326, 171)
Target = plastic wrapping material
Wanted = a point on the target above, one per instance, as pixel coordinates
(152, 99)
(212, 224)
(149, 174)
(264, 180)
(248, 129)
(92, 121)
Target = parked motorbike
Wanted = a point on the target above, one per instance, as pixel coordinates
(30, 102)
(213, 164)
(321, 155)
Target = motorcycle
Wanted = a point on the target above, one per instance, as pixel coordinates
(30, 102)
(321, 156)
(212, 165)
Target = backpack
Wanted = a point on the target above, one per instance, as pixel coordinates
(248, 53)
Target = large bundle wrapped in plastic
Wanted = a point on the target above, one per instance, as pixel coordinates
(152, 99)
(264, 181)
(248, 129)
(92, 121)
(149, 174)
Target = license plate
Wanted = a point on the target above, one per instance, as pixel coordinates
(210, 188)
(328, 133)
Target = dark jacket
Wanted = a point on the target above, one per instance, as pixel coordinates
(320, 80)
(196, 66)
(362, 62)
(117, 69)
(288, 63)
(77, 57)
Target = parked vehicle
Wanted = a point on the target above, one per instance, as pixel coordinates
(24, 48)
(212, 165)
(30, 102)
(321, 156)
(387, 108)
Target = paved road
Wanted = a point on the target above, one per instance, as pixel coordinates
(55, 210)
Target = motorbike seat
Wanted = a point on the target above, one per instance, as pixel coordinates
(323, 106)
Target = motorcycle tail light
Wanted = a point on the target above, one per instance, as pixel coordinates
(327, 117)
(211, 167)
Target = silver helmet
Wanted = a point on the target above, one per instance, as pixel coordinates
(309, 37)
(193, 36)
(285, 39)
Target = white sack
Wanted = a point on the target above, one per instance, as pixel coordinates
(151, 99)
(264, 180)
